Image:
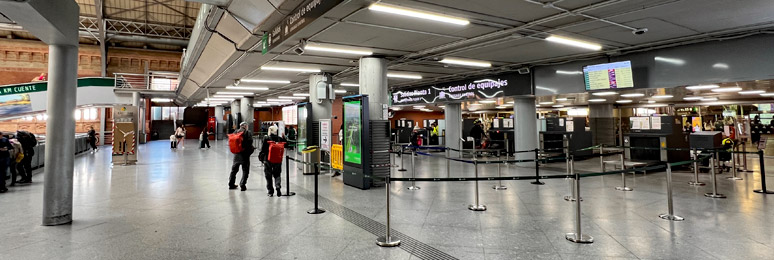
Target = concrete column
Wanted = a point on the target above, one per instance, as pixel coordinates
(525, 127)
(247, 110)
(235, 111)
(373, 82)
(453, 117)
(320, 109)
(602, 124)
(219, 119)
(60, 135)
(101, 127)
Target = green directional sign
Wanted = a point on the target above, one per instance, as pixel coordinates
(43, 86)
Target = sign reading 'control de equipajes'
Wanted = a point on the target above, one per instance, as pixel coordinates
(474, 89)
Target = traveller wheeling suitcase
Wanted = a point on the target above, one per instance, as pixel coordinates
(276, 151)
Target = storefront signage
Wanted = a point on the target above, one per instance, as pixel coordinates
(297, 20)
(474, 89)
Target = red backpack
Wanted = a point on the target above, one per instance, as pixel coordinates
(276, 151)
(235, 142)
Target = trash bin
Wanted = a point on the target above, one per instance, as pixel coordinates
(311, 156)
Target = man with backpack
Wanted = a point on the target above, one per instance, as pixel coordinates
(272, 152)
(28, 142)
(241, 145)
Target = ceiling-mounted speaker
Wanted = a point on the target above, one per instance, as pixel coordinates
(523, 70)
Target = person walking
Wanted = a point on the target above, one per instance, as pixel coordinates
(242, 159)
(93, 139)
(271, 170)
(204, 137)
(5, 156)
(180, 135)
(28, 142)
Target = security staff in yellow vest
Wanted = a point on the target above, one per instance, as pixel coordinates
(434, 133)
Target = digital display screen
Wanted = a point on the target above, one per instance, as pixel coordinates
(302, 116)
(15, 104)
(352, 132)
(609, 76)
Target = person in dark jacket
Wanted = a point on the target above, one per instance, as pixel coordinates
(271, 170)
(93, 139)
(242, 159)
(477, 132)
(28, 142)
(5, 160)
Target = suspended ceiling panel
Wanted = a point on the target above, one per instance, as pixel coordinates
(381, 38)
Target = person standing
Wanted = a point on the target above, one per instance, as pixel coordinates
(180, 136)
(28, 142)
(15, 159)
(5, 156)
(271, 170)
(434, 133)
(205, 138)
(477, 132)
(93, 139)
(242, 159)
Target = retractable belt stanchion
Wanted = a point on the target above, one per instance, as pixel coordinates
(670, 215)
(763, 176)
(733, 168)
(413, 170)
(744, 157)
(316, 209)
(402, 169)
(714, 193)
(537, 168)
(623, 176)
(476, 206)
(386, 240)
(578, 236)
(287, 178)
(695, 182)
(448, 172)
(568, 167)
(499, 185)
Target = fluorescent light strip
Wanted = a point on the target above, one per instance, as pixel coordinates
(546, 103)
(767, 94)
(488, 101)
(633, 95)
(404, 76)
(161, 100)
(624, 101)
(292, 69)
(573, 42)
(702, 87)
(605, 93)
(269, 81)
(663, 96)
(466, 62)
(597, 100)
(247, 88)
(731, 89)
(720, 66)
(651, 101)
(349, 84)
(417, 14)
(233, 93)
(300, 94)
(340, 91)
(289, 97)
(709, 99)
(565, 72)
(345, 50)
(557, 106)
(670, 60)
(227, 96)
(752, 92)
(562, 99)
(692, 98)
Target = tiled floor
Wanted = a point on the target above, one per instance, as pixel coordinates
(175, 205)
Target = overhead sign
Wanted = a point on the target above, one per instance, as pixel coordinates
(325, 134)
(473, 89)
(297, 20)
(43, 86)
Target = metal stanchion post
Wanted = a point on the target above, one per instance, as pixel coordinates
(671, 213)
(568, 167)
(287, 177)
(476, 206)
(413, 170)
(316, 209)
(763, 176)
(714, 193)
(623, 176)
(402, 169)
(601, 158)
(733, 169)
(744, 157)
(499, 185)
(573, 187)
(695, 181)
(578, 236)
(537, 169)
(386, 240)
(448, 171)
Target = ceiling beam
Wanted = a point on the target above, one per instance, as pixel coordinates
(139, 8)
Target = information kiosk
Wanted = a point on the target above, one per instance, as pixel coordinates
(366, 144)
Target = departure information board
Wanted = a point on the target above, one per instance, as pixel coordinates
(609, 76)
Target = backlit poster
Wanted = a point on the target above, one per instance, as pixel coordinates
(302, 116)
(352, 132)
(15, 104)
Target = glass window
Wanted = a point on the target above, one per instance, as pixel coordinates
(155, 113)
(165, 113)
(77, 114)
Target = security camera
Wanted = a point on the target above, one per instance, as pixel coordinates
(640, 31)
(298, 50)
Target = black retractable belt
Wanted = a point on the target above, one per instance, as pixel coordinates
(763, 189)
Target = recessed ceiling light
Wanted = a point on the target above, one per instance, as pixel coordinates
(301, 94)
(404, 75)
(692, 98)
(605, 93)
(729, 89)
(311, 46)
(752, 92)
(546, 103)
(247, 88)
(663, 96)
(466, 62)
(633, 95)
(488, 101)
(597, 100)
(349, 84)
(574, 42)
(418, 14)
(270, 81)
(291, 69)
(701, 87)
(624, 101)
